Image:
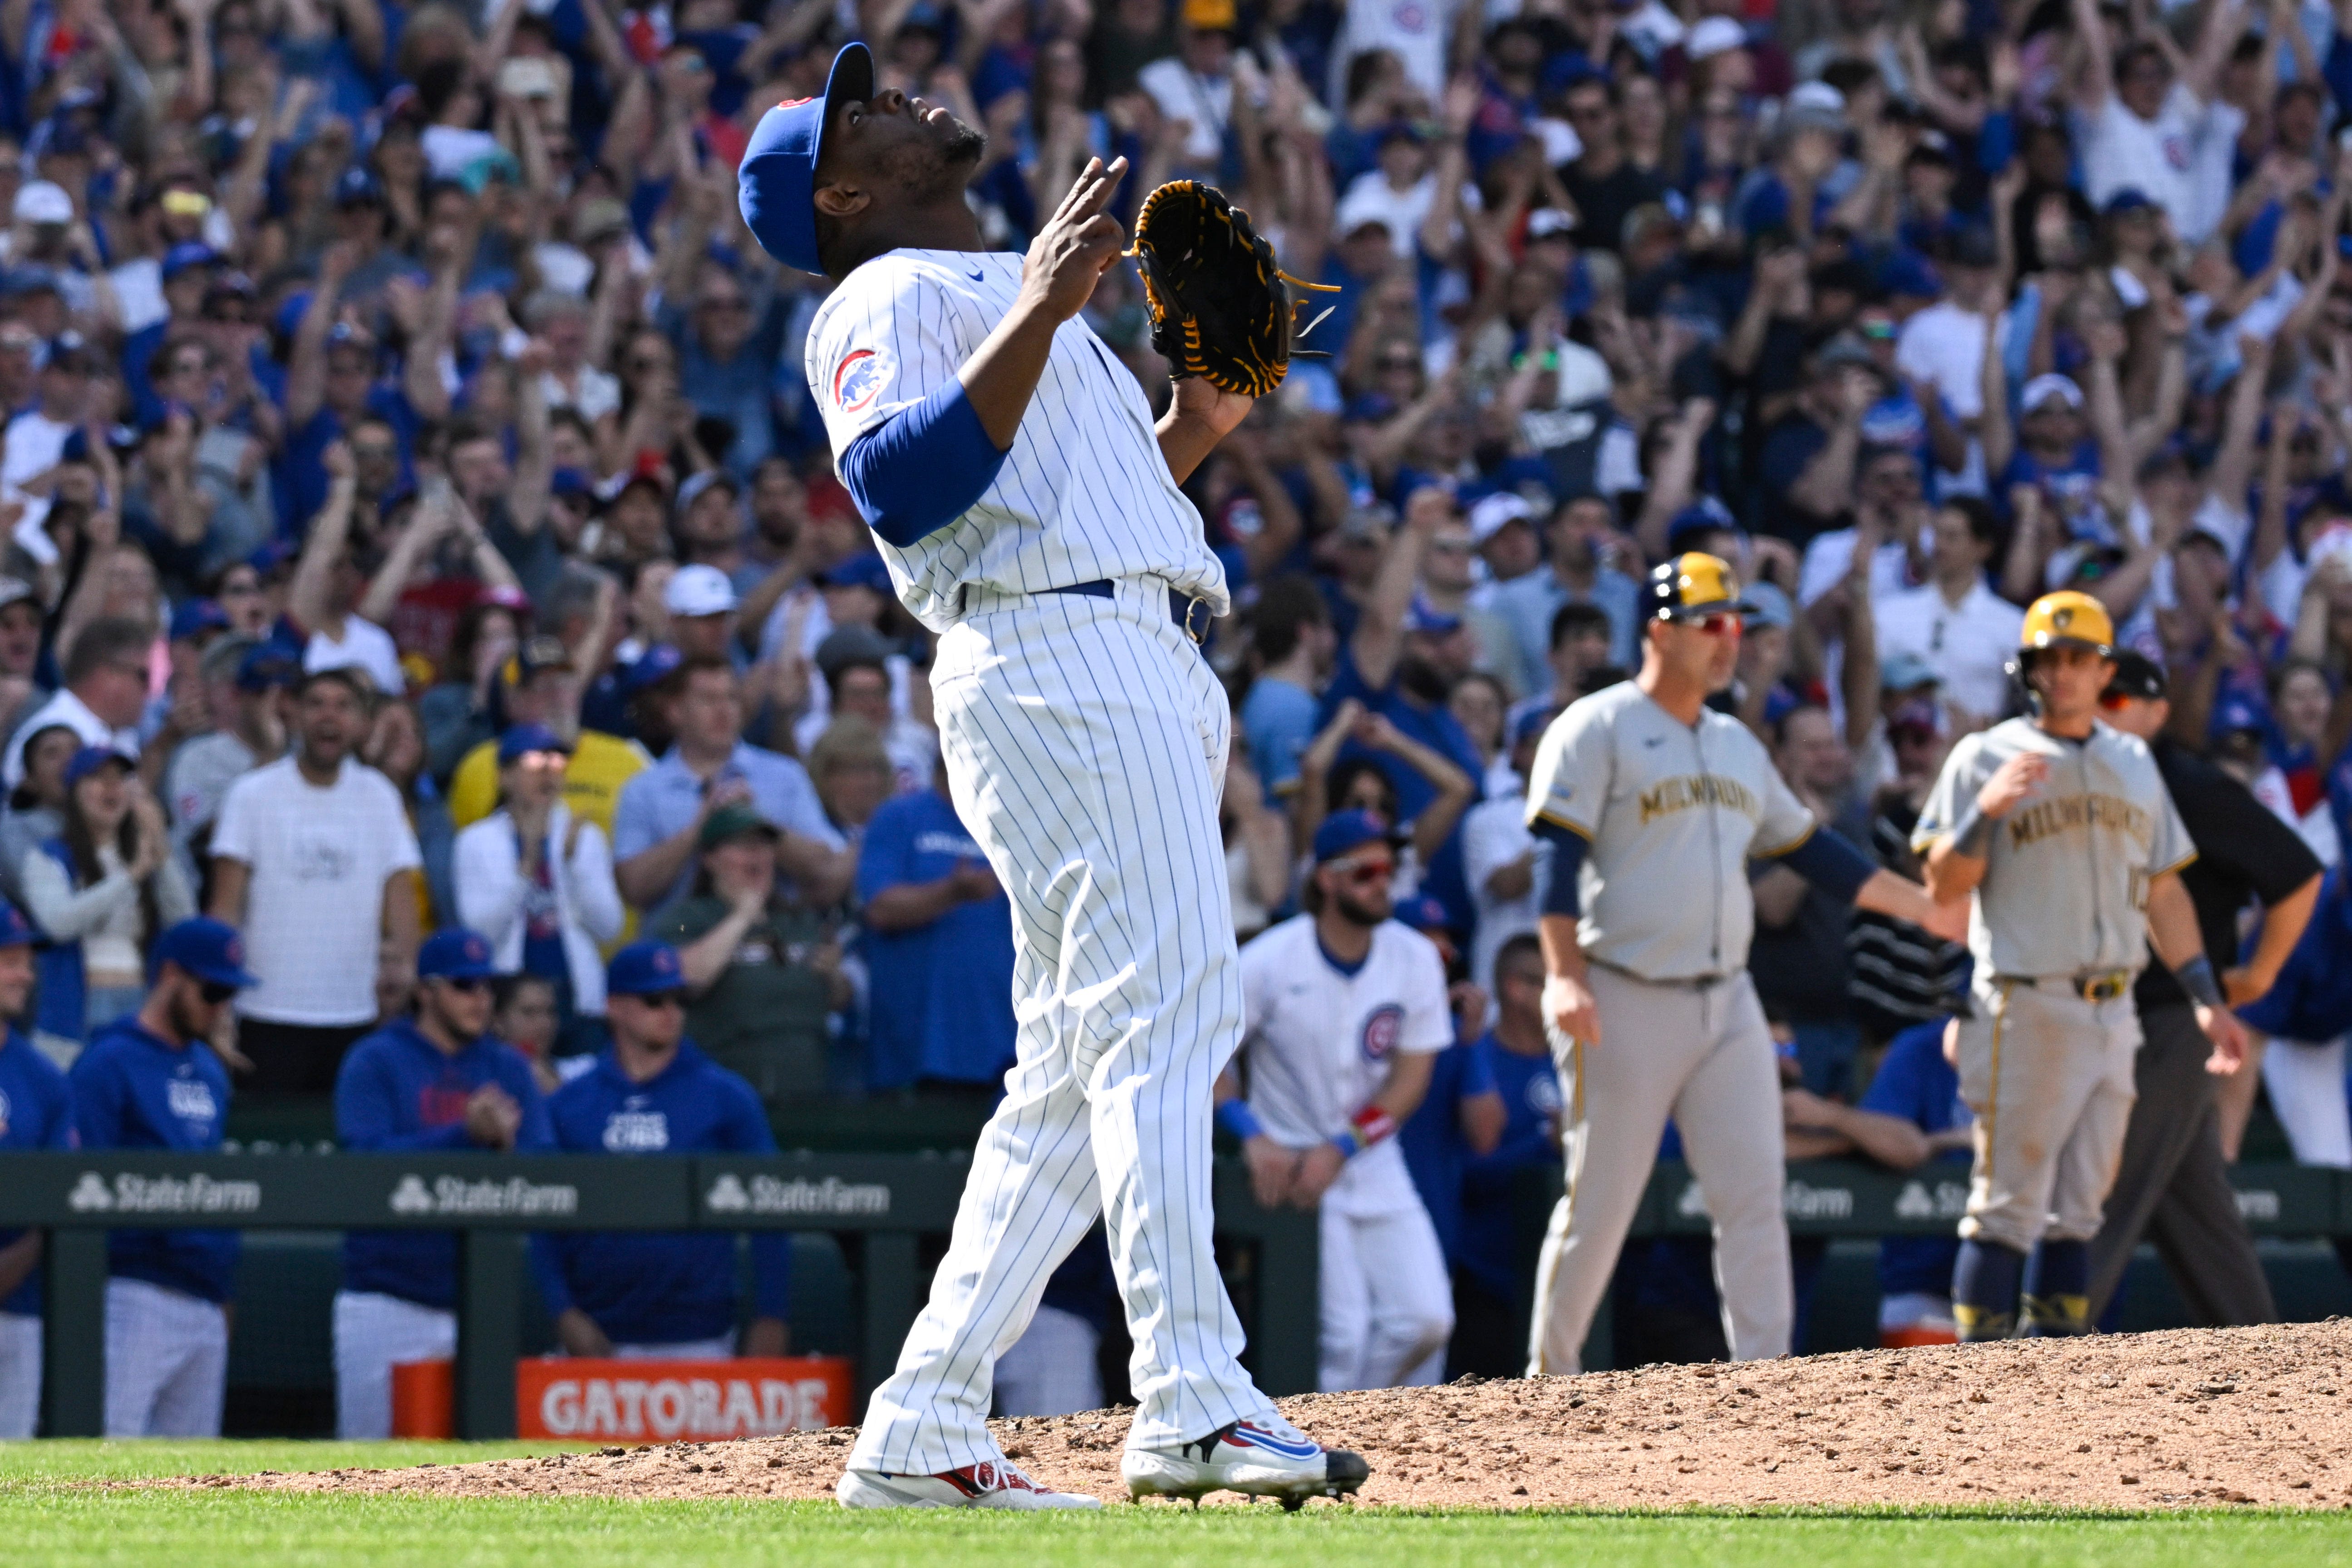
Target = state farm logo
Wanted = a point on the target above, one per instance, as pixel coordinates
(773, 1194)
(457, 1195)
(1798, 1201)
(130, 1194)
(1950, 1200)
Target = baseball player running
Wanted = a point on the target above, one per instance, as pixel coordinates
(1655, 802)
(1347, 1012)
(2063, 830)
(1028, 508)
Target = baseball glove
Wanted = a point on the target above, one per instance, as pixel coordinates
(1220, 306)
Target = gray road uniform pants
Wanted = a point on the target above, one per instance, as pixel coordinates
(2048, 1074)
(1698, 1052)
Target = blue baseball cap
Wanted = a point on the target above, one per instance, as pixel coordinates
(269, 555)
(194, 617)
(454, 954)
(655, 664)
(187, 254)
(208, 949)
(359, 187)
(270, 666)
(1705, 515)
(1344, 831)
(1422, 912)
(863, 570)
(645, 969)
(777, 194)
(89, 759)
(524, 739)
(1429, 620)
(2235, 712)
(16, 931)
(1532, 723)
(2130, 199)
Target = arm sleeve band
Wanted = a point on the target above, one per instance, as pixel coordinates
(1972, 832)
(1237, 1118)
(1830, 861)
(2195, 977)
(1568, 851)
(923, 469)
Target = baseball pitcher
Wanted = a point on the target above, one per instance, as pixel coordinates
(1655, 802)
(2064, 831)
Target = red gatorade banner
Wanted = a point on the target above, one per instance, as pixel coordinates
(667, 1401)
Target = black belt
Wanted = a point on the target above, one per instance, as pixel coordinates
(1194, 614)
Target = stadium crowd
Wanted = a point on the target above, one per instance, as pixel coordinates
(429, 608)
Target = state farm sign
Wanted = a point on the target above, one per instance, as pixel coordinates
(664, 1401)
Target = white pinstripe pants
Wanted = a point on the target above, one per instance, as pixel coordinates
(1086, 740)
(166, 1362)
(20, 1374)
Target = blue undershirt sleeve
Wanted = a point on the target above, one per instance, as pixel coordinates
(923, 469)
(1569, 848)
(1830, 862)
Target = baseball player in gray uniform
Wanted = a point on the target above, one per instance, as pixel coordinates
(1655, 802)
(2063, 830)
(1027, 505)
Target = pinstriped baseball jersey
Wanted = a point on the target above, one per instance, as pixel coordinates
(1079, 497)
(1673, 812)
(2066, 884)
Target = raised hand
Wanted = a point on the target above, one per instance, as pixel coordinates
(1077, 245)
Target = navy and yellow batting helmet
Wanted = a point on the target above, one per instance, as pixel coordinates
(1693, 584)
(2067, 616)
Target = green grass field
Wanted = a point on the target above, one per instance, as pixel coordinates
(48, 1514)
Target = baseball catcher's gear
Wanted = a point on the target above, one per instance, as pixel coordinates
(1219, 307)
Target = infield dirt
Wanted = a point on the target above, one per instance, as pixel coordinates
(2194, 1418)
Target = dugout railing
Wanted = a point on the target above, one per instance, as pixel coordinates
(880, 1207)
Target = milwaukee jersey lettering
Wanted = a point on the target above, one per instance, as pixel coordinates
(1673, 812)
(1083, 495)
(2066, 874)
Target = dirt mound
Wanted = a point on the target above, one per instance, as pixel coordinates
(2186, 1419)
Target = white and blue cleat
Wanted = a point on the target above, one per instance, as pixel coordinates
(1265, 1457)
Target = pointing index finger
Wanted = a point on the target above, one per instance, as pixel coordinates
(1094, 189)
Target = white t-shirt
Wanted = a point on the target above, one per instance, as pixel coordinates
(1946, 345)
(1205, 103)
(2156, 157)
(65, 709)
(1413, 30)
(2316, 828)
(34, 444)
(314, 904)
(365, 644)
(1830, 556)
(139, 293)
(1494, 835)
(1317, 1043)
(1968, 643)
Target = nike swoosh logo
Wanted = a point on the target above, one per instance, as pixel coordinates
(979, 278)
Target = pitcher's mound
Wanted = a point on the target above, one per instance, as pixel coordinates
(2194, 1419)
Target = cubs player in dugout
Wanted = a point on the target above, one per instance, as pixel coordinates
(435, 1079)
(2063, 829)
(1027, 506)
(1656, 804)
(36, 1113)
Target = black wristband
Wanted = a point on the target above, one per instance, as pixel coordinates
(2195, 977)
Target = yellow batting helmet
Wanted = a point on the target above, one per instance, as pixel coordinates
(1694, 583)
(2068, 617)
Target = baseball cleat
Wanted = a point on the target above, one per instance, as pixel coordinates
(1265, 1457)
(991, 1483)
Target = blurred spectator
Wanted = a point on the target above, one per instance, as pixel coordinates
(40, 1115)
(1914, 1081)
(853, 774)
(855, 664)
(314, 859)
(36, 812)
(663, 809)
(653, 1293)
(1955, 623)
(1580, 572)
(1506, 866)
(152, 1081)
(1799, 954)
(102, 892)
(537, 882)
(1489, 1285)
(105, 692)
(437, 1080)
(242, 677)
(525, 1016)
(760, 972)
(937, 949)
(1294, 646)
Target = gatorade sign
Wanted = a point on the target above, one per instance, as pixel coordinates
(672, 1401)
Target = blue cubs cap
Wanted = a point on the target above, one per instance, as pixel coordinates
(524, 739)
(1705, 515)
(655, 664)
(645, 969)
(2130, 199)
(270, 556)
(454, 954)
(89, 759)
(359, 187)
(1344, 831)
(187, 254)
(16, 931)
(2236, 713)
(1422, 912)
(863, 570)
(208, 949)
(194, 617)
(778, 177)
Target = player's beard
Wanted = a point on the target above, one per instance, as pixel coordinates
(931, 171)
(1362, 910)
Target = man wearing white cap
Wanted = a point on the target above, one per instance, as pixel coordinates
(701, 605)
(2051, 450)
